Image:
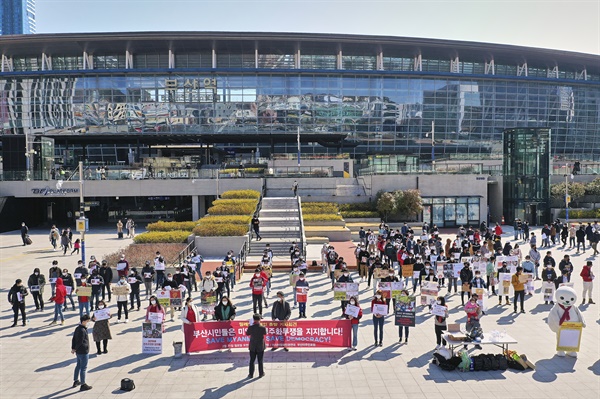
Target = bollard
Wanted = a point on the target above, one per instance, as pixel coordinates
(177, 347)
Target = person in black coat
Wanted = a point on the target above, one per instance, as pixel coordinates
(225, 310)
(24, 231)
(549, 275)
(80, 346)
(134, 280)
(466, 275)
(257, 334)
(16, 297)
(107, 275)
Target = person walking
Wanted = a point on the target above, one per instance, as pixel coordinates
(53, 274)
(257, 346)
(36, 283)
(24, 232)
(225, 310)
(65, 243)
(519, 288)
(16, 297)
(101, 332)
(281, 311)
(295, 188)
(256, 227)
(378, 318)
(60, 296)
(588, 282)
(80, 346)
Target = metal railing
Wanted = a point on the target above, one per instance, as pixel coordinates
(241, 259)
(589, 168)
(183, 254)
(302, 234)
(442, 168)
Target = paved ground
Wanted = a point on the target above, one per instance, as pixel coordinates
(35, 360)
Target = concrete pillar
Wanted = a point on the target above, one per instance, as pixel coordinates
(195, 214)
(202, 206)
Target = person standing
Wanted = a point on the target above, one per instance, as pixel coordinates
(53, 274)
(378, 319)
(122, 299)
(440, 323)
(225, 310)
(83, 301)
(134, 281)
(120, 229)
(549, 276)
(256, 227)
(303, 284)
(107, 275)
(519, 289)
(209, 285)
(60, 295)
(281, 311)
(122, 266)
(16, 297)
(80, 346)
(148, 273)
(81, 272)
(24, 232)
(160, 267)
(354, 322)
(345, 278)
(295, 188)
(257, 283)
(588, 282)
(466, 275)
(257, 335)
(97, 283)
(36, 283)
(69, 284)
(101, 330)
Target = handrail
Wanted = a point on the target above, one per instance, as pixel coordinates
(183, 254)
(302, 234)
(241, 260)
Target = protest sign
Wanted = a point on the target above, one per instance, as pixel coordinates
(343, 291)
(386, 289)
(482, 298)
(511, 262)
(293, 278)
(120, 290)
(155, 317)
(380, 309)
(352, 310)
(397, 287)
(208, 301)
(151, 338)
(34, 288)
(102, 314)
(95, 281)
(569, 337)
(379, 273)
(83, 291)
(440, 269)
(548, 291)
(439, 310)
(429, 292)
(131, 280)
(164, 298)
(407, 270)
(175, 298)
(456, 268)
(405, 311)
(302, 294)
(291, 334)
(77, 276)
(52, 280)
(121, 266)
(505, 286)
(416, 275)
(69, 289)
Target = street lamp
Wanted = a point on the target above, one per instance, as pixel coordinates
(567, 196)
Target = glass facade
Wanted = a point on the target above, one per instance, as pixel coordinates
(451, 211)
(527, 175)
(17, 17)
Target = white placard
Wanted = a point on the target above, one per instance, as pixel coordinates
(416, 274)
(147, 275)
(352, 310)
(438, 310)
(52, 280)
(77, 276)
(131, 280)
(68, 289)
(121, 266)
(34, 288)
(380, 309)
(218, 279)
(102, 314)
(95, 281)
(456, 268)
(155, 317)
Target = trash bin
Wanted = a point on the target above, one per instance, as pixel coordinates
(177, 347)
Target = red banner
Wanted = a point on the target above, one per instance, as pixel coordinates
(213, 335)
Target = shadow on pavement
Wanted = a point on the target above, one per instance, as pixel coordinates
(547, 369)
(62, 393)
(224, 390)
(595, 368)
(319, 359)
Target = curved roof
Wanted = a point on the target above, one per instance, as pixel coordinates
(288, 43)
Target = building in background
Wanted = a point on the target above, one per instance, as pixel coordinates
(17, 17)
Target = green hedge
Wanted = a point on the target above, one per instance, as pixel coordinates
(154, 237)
(581, 214)
(252, 202)
(359, 214)
(171, 226)
(359, 206)
(321, 217)
(237, 194)
(246, 170)
(319, 207)
(225, 219)
(232, 209)
(219, 230)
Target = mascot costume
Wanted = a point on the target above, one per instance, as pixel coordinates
(564, 310)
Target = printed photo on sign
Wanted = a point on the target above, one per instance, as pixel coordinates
(164, 298)
(77, 275)
(352, 310)
(386, 289)
(456, 268)
(380, 273)
(404, 314)
(34, 288)
(175, 298)
(151, 338)
(548, 291)
(438, 310)
(102, 314)
(131, 280)
(397, 287)
(301, 294)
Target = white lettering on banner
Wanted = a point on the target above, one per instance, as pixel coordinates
(54, 191)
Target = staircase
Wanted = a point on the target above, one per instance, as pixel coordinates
(279, 226)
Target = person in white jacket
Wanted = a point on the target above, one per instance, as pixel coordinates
(189, 313)
(122, 298)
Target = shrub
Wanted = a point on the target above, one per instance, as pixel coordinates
(321, 217)
(252, 202)
(153, 237)
(171, 226)
(581, 214)
(359, 214)
(218, 219)
(359, 206)
(237, 194)
(319, 207)
(232, 209)
(138, 254)
(220, 230)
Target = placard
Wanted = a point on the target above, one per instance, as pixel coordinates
(352, 310)
(120, 290)
(397, 287)
(83, 291)
(121, 266)
(164, 298)
(548, 291)
(77, 276)
(102, 314)
(440, 266)
(505, 287)
(511, 262)
(456, 268)
(208, 301)
(405, 311)
(34, 288)
(147, 275)
(69, 289)
(429, 292)
(416, 275)
(343, 291)
(175, 298)
(386, 289)
(407, 270)
(301, 294)
(95, 281)
(131, 280)
(218, 280)
(380, 309)
(293, 279)
(52, 280)
(481, 298)
(438, 310)
(151, 338)
(379, 273)
(155, 317)
(568, 338)
(523, 278)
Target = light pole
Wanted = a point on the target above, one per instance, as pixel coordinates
(567, 197)
(83, 223)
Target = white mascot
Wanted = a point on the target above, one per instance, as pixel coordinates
(564, 309)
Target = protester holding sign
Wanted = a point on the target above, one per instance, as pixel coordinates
(16, 297)
(122, 267)
(97, 283)
(281, 311)
(168, 285)
(107, 275)
(519, 286)
(491, 275)
(122, 290)
(83, 301)
(69, 284)
(101, 330)
(346, 278)
(154, 311)
(134, 281)
(301, 294)
(225, 310)
(189, 313)
(354, 313)
(80, 273)
(53, 274)
(148, 273)
(379, 310)
(404, 293)
(257, 283)
(36, 283)
(440, 312)
(466, 275)
(207, 293)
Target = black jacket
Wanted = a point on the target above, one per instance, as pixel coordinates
(148, 269)
(84, 273)
(106, 273)
(12, 294)
(135, 287)
(257, 338)
(80, 342)
(219, 312)
(36, 280)
(548, 275)
(466, 275)
(281, 310)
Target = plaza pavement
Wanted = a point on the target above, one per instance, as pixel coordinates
(35, 361)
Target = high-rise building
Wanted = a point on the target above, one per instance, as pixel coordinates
(17, 17)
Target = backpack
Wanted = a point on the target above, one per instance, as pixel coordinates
(446, 364)
(487, 362)
(127, 384)
(495, 363)
(477, 363)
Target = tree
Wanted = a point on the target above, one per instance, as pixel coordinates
(386, 204)
(593, 187)
(576, 190)
(410, 204)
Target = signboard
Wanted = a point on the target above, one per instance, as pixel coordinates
(82, 224)
(407, 270)
(102, 314)
(405, 311)
(548, 291)
(155, 317)
(439, 310)
(386, 289)
(83, 291)
(440, 266)
(511, 262)
(175, 298)
(302, 294)
(164, 298)
(343, 291)
(352, 310)
(151, 338)
(397, 287)
(208, 301)
(231, 334)
(120, 290)
(429, 292)
(504, 284)
(380, 309)
(379, 273)
(568, 338)
(456, 268)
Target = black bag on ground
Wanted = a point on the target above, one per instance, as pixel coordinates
(446, 364)
(502, 362)
(28, 240)
(127, 384)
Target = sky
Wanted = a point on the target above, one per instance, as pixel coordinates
(572, 25)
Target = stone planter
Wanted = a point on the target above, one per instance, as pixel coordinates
(217, 247)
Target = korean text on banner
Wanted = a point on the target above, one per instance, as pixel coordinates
(151, 338)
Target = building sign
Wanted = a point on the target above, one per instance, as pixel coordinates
(191, 90)
(46, 191)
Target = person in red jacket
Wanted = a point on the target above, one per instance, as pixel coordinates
(257, 283)
(59, 300)
(498, 230)
(354, 321)
(588, 282)
(378, 317)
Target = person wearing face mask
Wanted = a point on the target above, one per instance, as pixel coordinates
(474, 312)
(440, 324)
(97, 283)
(107, 275)
(378, 319)
(345, 278)
(354, 321)
(466, 275)
(391, 278)
(101, 331)
(53, 274)
(549, 275)
(69, 285)
(519, 288)
(281, 311)
(80, 273)
(148, 273)
(122, 299)
(266, 274)
(230, 261)
(80, 346)
(302, 283)
(491, 275)
(155, 307)
(403, 330)
(219, 279)
(59, 300)
(294, 276)
(36, 283)
(225, 310)
(16, 297)
(83, 301)
(207, 285)
(189, 313)
(134, 281)
(257, 283)
(170, 284)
